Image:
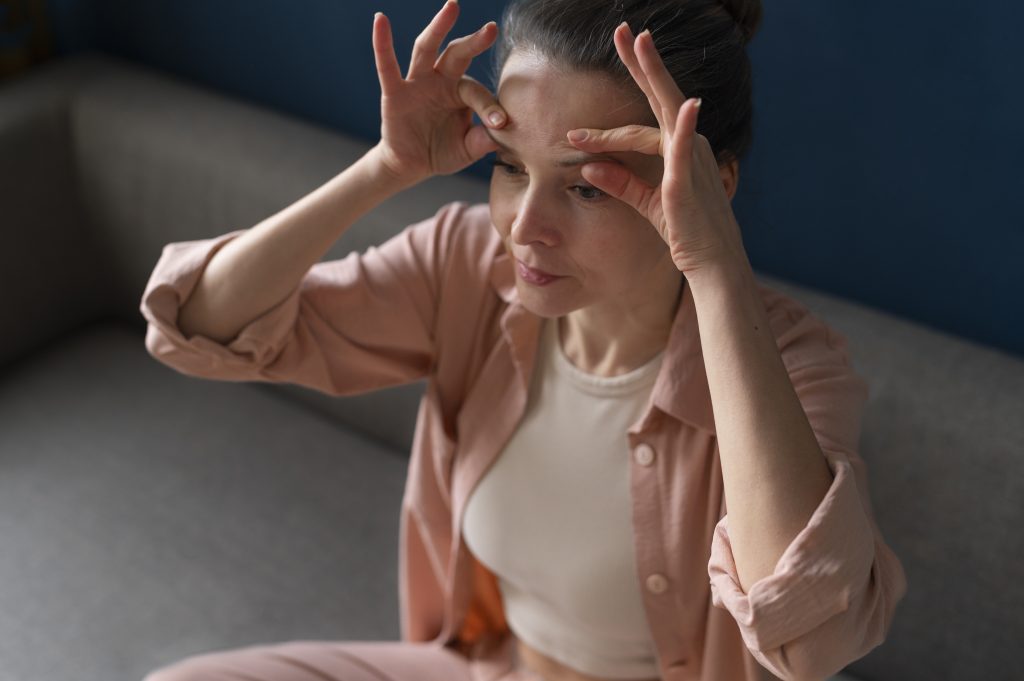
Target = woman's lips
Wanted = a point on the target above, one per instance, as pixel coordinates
(536, 277)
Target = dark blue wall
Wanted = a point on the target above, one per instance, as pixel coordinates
(888, 136)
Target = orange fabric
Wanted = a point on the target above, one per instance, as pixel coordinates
(485, 615)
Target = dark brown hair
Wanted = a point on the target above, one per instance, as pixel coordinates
(702, 42)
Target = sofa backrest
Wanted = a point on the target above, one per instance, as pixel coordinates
(159, 160)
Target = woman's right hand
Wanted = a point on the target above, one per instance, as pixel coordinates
(427, 117)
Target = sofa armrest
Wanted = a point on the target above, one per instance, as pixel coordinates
(50, 269)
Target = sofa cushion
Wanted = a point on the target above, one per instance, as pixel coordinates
(147, 516)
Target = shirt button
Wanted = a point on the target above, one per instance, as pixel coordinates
(657, 583)
(644, 455)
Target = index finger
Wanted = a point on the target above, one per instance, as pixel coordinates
(478, 98)
(641, 138)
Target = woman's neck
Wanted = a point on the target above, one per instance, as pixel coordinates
(611, 340)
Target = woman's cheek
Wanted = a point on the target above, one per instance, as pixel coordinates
(502, 208)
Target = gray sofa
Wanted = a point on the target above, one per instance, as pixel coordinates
(146, 515)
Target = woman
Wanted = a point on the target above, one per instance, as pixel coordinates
(604, 371)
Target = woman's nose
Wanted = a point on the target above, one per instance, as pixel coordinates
(535, 220)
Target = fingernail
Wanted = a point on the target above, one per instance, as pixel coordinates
(696, 105)
(496, 118)
(578, 135)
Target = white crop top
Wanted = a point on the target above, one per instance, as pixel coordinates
(552, 518)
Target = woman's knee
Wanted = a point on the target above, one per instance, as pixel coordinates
(177, 672)
(320, 660)
(219, 665)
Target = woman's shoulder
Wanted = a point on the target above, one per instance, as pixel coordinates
(799, 329)
(468, 225)
(468, 238)
(470, 283)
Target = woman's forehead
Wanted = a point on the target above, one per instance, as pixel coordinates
(545, 100)
(546, 77)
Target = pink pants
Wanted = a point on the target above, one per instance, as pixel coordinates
(348, 661)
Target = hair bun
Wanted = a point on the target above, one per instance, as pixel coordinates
(747, 14)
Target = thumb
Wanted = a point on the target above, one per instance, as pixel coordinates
(616, 180)
(478, 142)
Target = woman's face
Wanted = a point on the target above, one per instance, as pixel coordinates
(548, 216)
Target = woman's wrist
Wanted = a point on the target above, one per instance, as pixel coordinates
(387, 173)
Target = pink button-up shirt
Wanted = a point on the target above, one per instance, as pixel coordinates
(438, 301)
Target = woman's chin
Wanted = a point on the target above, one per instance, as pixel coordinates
(542, 302)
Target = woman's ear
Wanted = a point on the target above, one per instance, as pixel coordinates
(730, 174)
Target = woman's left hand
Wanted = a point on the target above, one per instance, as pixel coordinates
(690, 208)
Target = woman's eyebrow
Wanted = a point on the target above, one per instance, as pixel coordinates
(584, 157)
(577, 160)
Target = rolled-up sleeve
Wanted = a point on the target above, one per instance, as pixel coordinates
(834, 590)
(359, 323)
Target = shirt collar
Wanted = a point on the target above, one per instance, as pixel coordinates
(681, 389)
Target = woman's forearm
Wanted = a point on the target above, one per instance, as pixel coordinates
(774, 471)
(256, 271)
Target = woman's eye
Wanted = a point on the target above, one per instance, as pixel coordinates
(589, 193)
(585, 192)
(506, 168)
